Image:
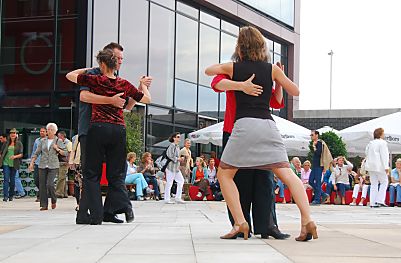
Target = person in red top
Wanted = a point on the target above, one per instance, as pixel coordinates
(256, 190)
(107, 138)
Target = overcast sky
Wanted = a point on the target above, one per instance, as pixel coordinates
(365, 36)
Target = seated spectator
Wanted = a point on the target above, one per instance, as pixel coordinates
(214, 157)
(360, 185)
(280, 189)
(305, 173)
(200, 177)
(328, 180)
(296, 166)
(133, 177)
(341, 180)
(213, 182)
(147, 168)
(395, 186)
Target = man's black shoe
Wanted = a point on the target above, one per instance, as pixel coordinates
(129, 215)
(112, 219)
(276, 233)
(83, 220)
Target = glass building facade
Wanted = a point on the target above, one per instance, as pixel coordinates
(172, 41)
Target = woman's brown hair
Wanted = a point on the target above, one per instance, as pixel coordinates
(107, 57)
(144, 156)
(378, 133)
(251, 45)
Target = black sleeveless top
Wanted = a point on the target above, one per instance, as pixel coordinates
(251, 106)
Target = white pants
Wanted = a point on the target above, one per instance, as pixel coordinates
(378, 195)
(171, 176)
(357, 189)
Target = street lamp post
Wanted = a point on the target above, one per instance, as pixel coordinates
(331, 53)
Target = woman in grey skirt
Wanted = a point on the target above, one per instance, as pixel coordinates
(255, 137)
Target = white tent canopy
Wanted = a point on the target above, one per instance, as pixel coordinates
(327, 129)
(296, 138)
(358, 136)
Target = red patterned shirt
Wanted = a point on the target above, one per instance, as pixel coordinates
(102, 85)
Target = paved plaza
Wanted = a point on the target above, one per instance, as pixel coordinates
(189, 233)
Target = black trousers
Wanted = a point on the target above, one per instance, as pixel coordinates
(107, 141)
(256, 189)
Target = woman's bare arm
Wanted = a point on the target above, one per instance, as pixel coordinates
(289, 86)
(226, 68)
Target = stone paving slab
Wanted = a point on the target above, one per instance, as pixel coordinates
(190, 233)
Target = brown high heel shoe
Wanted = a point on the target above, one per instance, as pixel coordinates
(311, 232)
(243, 228)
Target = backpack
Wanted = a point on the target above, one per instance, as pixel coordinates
(162, 161)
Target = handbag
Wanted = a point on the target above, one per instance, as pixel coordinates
(62, 158)
(162, 161)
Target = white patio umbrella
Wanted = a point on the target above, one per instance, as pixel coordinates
(327, 129)
(358, 136)
(295, 137)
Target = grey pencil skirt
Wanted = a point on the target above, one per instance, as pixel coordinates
(255, 144)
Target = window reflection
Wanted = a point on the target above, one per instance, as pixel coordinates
(186, 9)
(228, 43)
(161, 57)
(210, 20)
(104, 30)
(187, 49)
(209, 52)
(132, 39)
(185, 95)
(208, 102)
(160, 114)
(282, 10)
(158, 134)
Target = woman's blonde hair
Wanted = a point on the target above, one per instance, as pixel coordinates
(131, 155)
(201, 161)
(251, 45)
(307, 162)
(144, 156)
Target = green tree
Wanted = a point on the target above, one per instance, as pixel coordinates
(134, 127)
(334, 142)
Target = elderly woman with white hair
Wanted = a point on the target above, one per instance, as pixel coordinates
(49, 149)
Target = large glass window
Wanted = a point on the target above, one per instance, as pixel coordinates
(228, 43)
(283, 10)
(186, 49)
(105, 25)
(208, 102)
(133, 37)
(185, 95)
(161, 55)
(209, 52)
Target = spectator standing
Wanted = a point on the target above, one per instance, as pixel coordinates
(61, 187)
(395, 187)
(377, 165)
(10, 160)
(187, 163)
(321, 160)
(3, 140)
(42, 135)
(74, 164)
(49, 148)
